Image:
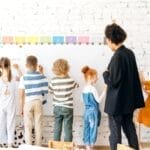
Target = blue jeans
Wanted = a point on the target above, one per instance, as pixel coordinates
(63, 116)
(90, 126)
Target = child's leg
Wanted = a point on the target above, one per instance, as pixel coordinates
(11, 121)
(93, 128)
(68, 122)
(3, 127)
(28, 122)
(58, 119)
(38, 121)
(86, 131)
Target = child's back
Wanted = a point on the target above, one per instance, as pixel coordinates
(32, 87)
(62, 87)
(35, 84)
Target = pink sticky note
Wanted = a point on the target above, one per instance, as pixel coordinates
(7, 39)
(83, 39)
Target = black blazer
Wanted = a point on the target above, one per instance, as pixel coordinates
(124, 92)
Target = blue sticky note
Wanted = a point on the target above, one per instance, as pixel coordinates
(58, 39)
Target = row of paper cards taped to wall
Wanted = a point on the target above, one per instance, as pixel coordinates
(61, 39)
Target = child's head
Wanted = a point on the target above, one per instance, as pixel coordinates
(60, 67)
(5, 66)
(31, 63)
(90, 74)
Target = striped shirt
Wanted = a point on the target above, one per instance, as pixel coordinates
(62, 88)
(35, 85)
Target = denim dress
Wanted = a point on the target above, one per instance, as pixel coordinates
(92, 115)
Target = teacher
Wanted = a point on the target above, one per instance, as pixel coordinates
(124, 93)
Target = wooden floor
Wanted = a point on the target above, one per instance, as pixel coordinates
(144, 146)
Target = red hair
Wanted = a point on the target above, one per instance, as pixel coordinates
(88, 72)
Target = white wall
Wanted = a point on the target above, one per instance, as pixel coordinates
(48, 17)
(77, 55)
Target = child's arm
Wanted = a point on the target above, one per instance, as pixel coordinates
(21, 98)
(103, 94)
(50, 88)
(75, 85)
(95, 94)
(21, 95)
(19, 72)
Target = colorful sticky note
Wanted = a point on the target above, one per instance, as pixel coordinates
(83, 39)
(45, 39)
(19, 39)
(71, 39)
(32, 39)
(58, 39)
(7, 39)
(96, 39)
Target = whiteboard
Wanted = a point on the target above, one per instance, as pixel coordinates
(96, 56)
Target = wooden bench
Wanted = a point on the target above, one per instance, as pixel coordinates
(61, 145)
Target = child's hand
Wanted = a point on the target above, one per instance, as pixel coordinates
(21, 114)
(40, 69)
(15, 66)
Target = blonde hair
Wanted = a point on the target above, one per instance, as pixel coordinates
(88, 72)
(31, 62)
(60, 67)
(5, 64)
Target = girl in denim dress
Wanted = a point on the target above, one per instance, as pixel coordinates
(92, 114)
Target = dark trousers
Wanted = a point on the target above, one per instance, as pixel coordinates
(126, 123)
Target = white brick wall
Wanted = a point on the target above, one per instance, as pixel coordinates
(32, 17)
(42, 17)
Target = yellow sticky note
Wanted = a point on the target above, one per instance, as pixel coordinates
(32, 39)
(19, 39)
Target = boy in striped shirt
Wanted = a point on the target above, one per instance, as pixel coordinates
(62, 86)
(33, 85)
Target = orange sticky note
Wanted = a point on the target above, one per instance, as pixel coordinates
(7, 39)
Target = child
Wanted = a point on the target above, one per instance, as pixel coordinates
(32, 86)
(92, 114)
(61, 86)
(7, 103)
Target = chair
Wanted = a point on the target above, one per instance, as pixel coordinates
(61, 145)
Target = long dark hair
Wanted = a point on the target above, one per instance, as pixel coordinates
(5, 64)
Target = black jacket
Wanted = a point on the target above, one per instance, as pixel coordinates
(124, 93)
